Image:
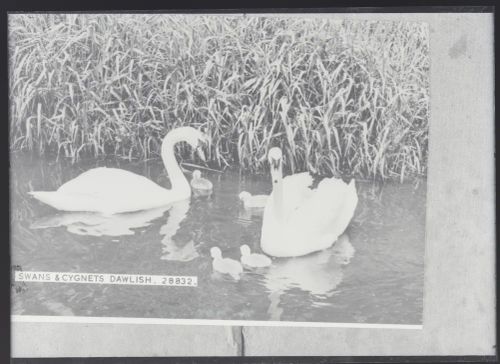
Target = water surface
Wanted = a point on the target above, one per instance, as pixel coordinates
(373, 274)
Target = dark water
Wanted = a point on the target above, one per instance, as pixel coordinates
(373, 274)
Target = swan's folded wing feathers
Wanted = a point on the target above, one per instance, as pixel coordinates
(321, 211)
(301, 180)
(103, 182)
(112, 190)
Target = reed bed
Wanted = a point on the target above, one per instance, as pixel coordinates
(340, 98)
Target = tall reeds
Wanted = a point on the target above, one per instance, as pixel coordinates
(343, 98)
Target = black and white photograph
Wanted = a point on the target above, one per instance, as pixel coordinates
(250, 169)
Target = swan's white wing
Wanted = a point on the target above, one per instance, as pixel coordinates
(296, 189)
(328, 210)
(104, 182)
(108, 190)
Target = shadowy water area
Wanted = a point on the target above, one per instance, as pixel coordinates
(372, 274)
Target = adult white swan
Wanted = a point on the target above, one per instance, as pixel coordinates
(299, 220)
(112, 190)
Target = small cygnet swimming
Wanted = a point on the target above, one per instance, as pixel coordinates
(253, 201)
(253, 260)
(199, 183)
(225, 265)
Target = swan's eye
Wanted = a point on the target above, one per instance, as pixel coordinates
(275, 181)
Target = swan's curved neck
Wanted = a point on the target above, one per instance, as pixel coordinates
(177, 179)
(277, 177)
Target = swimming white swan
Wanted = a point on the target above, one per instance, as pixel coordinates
(199, 183)
(253, 260)
(112, 190)
(252, 202)
(299, 220)
(225, 265)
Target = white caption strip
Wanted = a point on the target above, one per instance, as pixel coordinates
(104, 278)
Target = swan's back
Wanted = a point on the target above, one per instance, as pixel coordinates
(106, 190)
(329, 208)
(102, 182)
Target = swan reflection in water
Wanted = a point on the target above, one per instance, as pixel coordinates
(96, 224)
(172, 250)
(318, 273)
(249, 214)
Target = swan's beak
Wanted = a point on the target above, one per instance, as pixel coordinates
(275, 163)
(200, 152)
(203, 141)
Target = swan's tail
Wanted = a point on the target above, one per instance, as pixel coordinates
(49, 198)
(43, 196)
